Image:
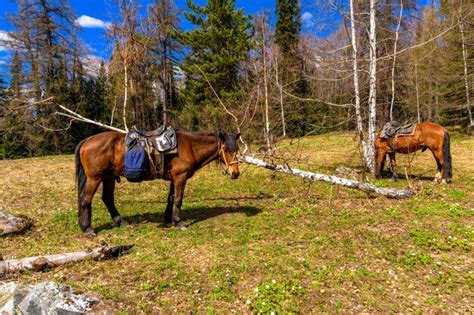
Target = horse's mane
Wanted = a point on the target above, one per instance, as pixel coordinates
(196, 133)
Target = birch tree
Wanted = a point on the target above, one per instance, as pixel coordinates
(372, 88)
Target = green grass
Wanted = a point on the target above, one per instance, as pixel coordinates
(263, 243)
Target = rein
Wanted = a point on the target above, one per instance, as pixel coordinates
(220, 151)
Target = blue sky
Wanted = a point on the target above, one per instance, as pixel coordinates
(95, 14)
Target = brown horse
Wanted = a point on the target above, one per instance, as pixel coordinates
(100, 159)
(425, 136)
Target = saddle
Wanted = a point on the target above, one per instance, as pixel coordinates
(394, 128)
(146, 150)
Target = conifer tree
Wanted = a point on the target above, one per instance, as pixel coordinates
(287, 36)
(288, 26)
(219, 43)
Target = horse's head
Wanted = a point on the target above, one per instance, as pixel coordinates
(229, 154)
(382, 146)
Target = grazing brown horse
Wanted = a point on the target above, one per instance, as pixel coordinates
(100, 159)
(425, 136)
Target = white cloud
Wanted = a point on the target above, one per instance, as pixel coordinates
(91, 22)
(306, 16)
(5, 39)
(307, 19)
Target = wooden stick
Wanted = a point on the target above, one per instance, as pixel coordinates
(76, 116)
(11, 224)
(39, 263)
(367, 187)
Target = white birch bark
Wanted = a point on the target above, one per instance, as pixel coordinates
(372, 89)
(366, 187)
(359, 124)
(264, 56)
(125, 93)
(280, 89)
(39, 263)
(466, 78)
(417, 91)
(395, 59)
(75, 116)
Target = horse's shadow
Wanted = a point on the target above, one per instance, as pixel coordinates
(192, 214)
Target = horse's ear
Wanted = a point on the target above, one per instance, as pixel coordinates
(237, 136)
(222, 136)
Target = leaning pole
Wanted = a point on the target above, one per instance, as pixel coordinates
(367, 187)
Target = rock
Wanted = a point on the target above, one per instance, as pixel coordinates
(43, 298)
(11, 294)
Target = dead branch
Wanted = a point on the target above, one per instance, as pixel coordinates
(75, 116)
(367, 187)
(39, 263)
(12, 224)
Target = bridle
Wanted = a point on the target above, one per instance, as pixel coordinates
(226, 166)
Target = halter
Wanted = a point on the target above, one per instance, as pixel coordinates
(220, 149)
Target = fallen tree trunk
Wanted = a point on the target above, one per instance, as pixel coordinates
(367, 187)
(39, 263)
(11, 224)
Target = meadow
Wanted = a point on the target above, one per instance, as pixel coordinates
(265, 242)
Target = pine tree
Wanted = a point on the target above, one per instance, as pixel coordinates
(162, 27)
(288, 26)
(16, 71)
(287, 37)
(217, 46)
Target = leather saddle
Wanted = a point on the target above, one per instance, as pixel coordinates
(157, 143)
(394, 128)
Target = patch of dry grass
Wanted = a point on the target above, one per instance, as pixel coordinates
(264, 242)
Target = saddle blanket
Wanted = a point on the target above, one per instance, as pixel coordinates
(394, 128)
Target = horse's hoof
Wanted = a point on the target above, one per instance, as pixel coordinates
(180, 226)
(89, 232)
(168, 225)
(119, 222)
(443, 182)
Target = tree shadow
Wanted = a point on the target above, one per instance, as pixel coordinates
(193, 214)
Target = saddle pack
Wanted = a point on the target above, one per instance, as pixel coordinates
(145, 152)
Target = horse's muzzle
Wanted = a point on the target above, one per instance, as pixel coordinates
(234, 175)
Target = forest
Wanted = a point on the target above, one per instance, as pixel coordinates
(289, 99)
(265, 74)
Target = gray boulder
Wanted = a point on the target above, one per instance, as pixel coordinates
(43, 298)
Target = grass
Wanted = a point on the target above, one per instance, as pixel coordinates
(263, 243)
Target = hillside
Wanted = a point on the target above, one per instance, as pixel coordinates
(263, 242)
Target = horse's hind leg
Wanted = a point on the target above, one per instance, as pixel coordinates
(108, 184)
(438, 156)
(85, 205)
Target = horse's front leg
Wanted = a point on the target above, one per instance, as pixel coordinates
(169, 207)
(179, 184)
(108, 186)
(393, 165)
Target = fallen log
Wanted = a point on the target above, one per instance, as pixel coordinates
(367, 187)
(39, 263)
(12, 224)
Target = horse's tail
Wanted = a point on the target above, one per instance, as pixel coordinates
(81, 177)
(448, 168)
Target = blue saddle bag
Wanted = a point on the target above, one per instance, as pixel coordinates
(136, 164)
